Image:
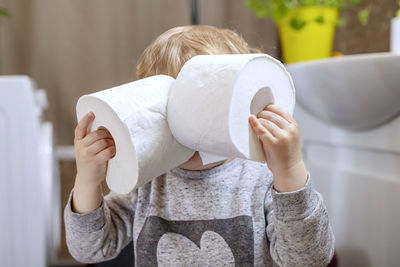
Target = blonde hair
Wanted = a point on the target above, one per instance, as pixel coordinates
(169, 51)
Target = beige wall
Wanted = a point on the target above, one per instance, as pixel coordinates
(73, 47)
(355, 38)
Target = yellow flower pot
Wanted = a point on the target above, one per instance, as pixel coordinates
(307, 33)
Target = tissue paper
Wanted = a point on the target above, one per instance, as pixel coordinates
(213, 96)
(135, 115)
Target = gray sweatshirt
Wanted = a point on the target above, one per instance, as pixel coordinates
(229, 215)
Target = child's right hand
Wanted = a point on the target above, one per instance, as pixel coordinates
(93, 150)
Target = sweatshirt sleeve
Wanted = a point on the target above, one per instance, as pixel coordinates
(101, 234)
(298, 228)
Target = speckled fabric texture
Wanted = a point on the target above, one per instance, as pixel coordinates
(226, 216)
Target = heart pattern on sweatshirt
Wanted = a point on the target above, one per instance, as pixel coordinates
(177, 250)
(227, 241)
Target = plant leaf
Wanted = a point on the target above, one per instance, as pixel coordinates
(277, 9)
(356, 2)
(297, 23)
(341, 22)
(5, 13)
(260, 9)
(363, 16)
(320, 19)
(309, 2)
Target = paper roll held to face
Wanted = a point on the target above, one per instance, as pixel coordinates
(135, 115)
(213, 96)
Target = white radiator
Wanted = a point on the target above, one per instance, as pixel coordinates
(29, 180)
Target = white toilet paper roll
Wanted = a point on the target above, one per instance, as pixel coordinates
(208, 158)
(213, 96)
(135, 115)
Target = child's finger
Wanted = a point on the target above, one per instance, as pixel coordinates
(107, 153)
(96, 135)
(100, 145)
(260, 130)
(81, 128)
(280, 111)
(271, 127)
(275, 118)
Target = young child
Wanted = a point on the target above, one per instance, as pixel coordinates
(230, 213)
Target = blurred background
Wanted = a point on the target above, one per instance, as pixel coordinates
(76, 47)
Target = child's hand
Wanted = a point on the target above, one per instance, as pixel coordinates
(279, 134)
(93, 150)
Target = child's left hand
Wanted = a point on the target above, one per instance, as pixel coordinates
(280, 137)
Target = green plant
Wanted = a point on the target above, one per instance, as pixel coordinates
(277, 9)
(4, 13)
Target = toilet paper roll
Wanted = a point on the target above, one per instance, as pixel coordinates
(135, 115)
(208, 158)
(213, 96)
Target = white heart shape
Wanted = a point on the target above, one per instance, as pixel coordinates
(177, 250)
